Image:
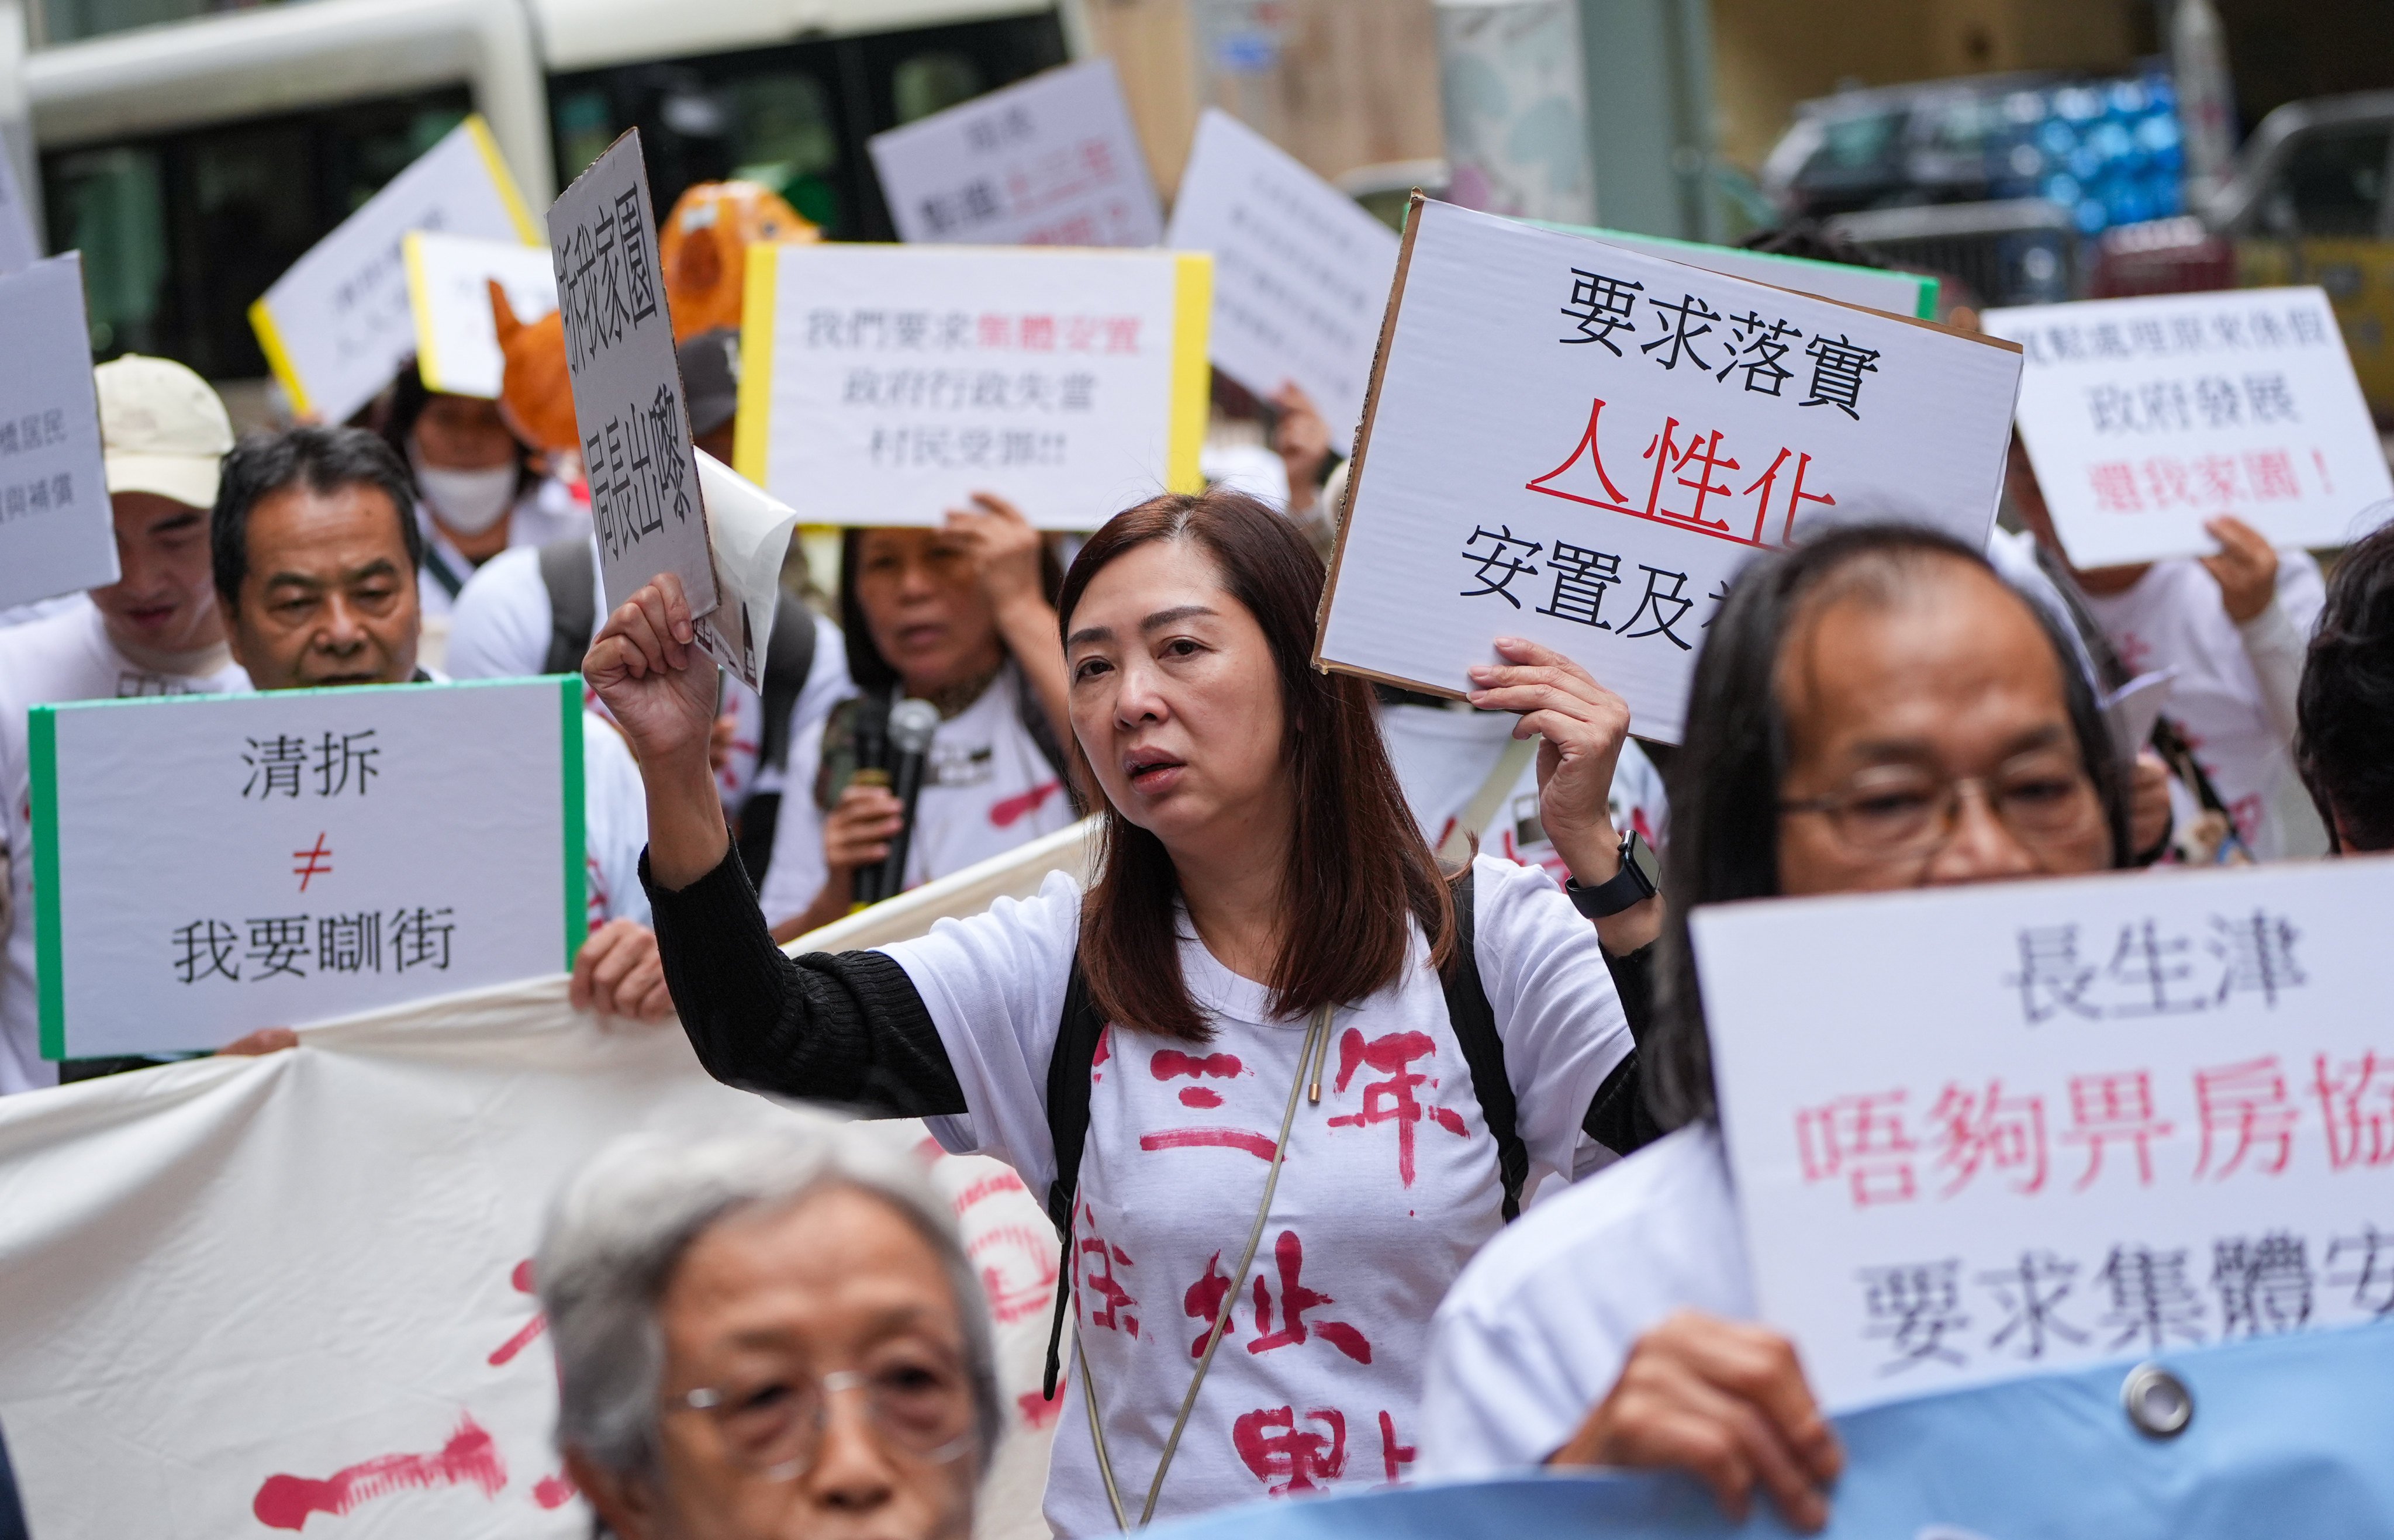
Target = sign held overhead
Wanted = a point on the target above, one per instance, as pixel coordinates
(1301, 272)
(1581, 445)
(56, 534)
(1052, 161)
(2145, 418)
(449, 280)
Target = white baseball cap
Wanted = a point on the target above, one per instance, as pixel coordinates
(162, 429)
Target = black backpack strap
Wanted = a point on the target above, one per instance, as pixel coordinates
(1475, 1028)
(1068, 1129)
(789, 658)
(569, 574)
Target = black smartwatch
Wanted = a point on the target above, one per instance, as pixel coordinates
(1641, 879)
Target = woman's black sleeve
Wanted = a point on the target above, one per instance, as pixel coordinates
(1618, 1118)
(846, 1027)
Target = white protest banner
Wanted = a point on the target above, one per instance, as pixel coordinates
(2145, 418)
(208, 865)
(1986, 1131)
(337, 327)
(1052, 161)
(627, 401)
(1912, 293)
(18, 248)
(57, 535)
(748, 534)
(449, 280)
(1580, 444)
(320, 1260)
(1300, 271)
(884, 385)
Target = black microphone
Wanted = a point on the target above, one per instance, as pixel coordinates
(911, 723)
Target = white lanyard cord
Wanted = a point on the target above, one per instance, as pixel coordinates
(1315, 1052)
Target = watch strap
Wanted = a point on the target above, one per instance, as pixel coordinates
(1625, 889)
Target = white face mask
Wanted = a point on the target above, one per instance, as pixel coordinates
(468, 501)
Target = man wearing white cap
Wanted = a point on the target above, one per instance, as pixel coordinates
(155, 631)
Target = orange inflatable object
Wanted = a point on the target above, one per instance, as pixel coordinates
(704, 249)
(535, 392)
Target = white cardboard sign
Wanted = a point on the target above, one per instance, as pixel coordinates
(627, 401)
(1983, 1132)
(1581, 445)
(209, 865)
(886, 385)
(337, 327)
(1300, 271)
(57, 535)
(1052, 161)
(449, 280)
(2145, 418)
(18, 248)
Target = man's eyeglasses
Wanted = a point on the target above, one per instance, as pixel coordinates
(773, 1424)
(1901, 811)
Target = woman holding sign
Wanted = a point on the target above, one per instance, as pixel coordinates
(1276, 1075)
(1882, 710)
(962, 616)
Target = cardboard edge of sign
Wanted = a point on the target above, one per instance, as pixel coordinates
(1414, 207)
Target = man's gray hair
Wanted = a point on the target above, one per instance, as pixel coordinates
(623, 1224)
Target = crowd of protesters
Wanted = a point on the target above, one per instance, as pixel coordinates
(1554, 1273)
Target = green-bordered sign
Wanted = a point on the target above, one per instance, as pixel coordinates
(205, 866)
(1911, 294)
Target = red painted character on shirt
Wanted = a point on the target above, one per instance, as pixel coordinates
(1392, 1100)
(1288, 1456)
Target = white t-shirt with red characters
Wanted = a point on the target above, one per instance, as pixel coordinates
(1389, 1185)
(2172, 618)
(987, 788)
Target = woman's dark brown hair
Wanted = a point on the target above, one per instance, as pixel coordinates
(1358, 873)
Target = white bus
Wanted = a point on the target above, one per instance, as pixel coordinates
(193, 161)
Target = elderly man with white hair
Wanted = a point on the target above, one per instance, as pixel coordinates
(768, 1335)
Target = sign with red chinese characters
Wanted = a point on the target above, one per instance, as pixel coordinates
(1051, 161)
(1580, 443)
(1992, 1131)
(2145, 418)
(204, 865)
(886, 385)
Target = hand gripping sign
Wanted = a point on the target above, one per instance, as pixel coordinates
(1581, 445)
(1994, 1131)
(2145, 418)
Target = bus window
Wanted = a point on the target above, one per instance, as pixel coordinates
(2334, 183)
(794, 117)
(180, 231)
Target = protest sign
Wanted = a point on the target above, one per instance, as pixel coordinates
(56, 534)
(1300, 271)
(18, 248)
(2145, 418)
(627, 401)
(449, 280)
(337, 327)
(320, 1260)
(1580, 444)
(2287, 1437)
(2065, 1122)
(1052, 161)
(884, 385)
(1913, 294)
(209, 865)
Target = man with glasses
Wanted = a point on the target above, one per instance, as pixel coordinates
(768, 1335)
(1877, 710)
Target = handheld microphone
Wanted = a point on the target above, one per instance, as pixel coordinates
(911, 723)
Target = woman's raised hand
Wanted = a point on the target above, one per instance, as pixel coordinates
(1006, 549)
(660, 688)
(1724, 1402)
(1581, 725)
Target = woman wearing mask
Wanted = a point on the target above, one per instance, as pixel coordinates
(477, 488)
(1268, 964)
(1882, 712)
(962, 615)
